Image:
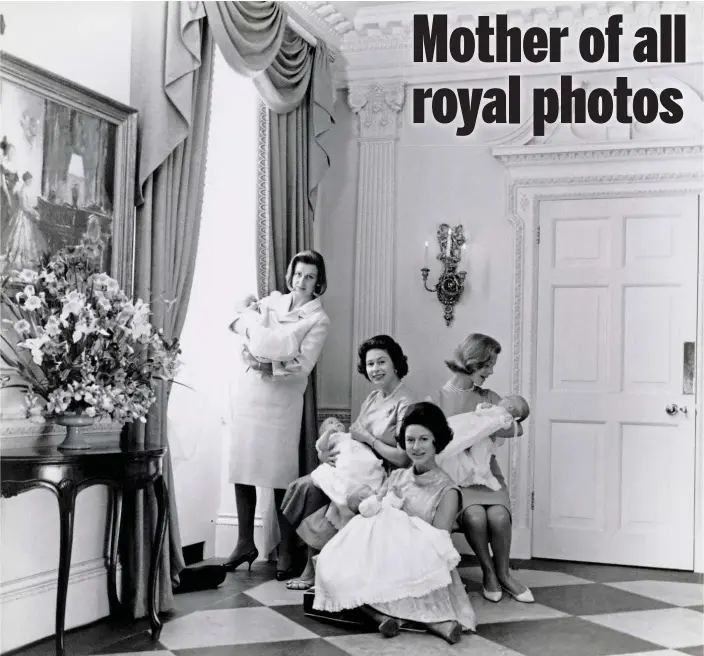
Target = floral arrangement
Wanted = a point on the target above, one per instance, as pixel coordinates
(80, 344)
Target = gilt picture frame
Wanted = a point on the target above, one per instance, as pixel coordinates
(68, 163)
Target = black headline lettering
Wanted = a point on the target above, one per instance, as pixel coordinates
(499, 43)
(510, 45)
(575, 105)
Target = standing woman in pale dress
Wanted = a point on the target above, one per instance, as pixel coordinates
(267, 407)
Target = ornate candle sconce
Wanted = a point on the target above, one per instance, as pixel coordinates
(450, 285)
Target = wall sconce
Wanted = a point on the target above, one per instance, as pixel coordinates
(450, 285)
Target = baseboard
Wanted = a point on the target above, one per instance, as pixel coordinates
(28, 604)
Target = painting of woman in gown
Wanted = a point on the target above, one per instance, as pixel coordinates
(25, 241)
(8, 182)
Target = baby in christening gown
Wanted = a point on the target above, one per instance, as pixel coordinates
(382, 555)
(356, 465)
(467, 459)
(269, 340)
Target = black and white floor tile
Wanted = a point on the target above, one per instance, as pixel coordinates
(579, 610)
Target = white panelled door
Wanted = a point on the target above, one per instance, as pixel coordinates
(614, 414)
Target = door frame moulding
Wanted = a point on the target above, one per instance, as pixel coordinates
(542, 173)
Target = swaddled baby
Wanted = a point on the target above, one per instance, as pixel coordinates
(269, 340)
(356, 465)
(467, 459)
(387, 555)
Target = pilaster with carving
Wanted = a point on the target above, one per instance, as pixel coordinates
(378, 108)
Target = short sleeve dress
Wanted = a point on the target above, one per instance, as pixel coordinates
(454, 401)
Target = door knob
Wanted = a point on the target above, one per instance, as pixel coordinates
(672, 409)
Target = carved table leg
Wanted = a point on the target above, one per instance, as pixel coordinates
(162, 502)
(66, 493)
(113, 543)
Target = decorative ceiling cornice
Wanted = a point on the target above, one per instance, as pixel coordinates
(322, 19)
(378, 42)
(391, 23)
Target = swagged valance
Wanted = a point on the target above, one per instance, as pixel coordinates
(255, 41)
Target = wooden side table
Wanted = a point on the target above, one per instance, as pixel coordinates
(66, 474)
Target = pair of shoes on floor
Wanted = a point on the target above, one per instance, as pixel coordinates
(525, 597)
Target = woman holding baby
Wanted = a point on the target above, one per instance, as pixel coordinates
(393, 569)
(267, 408)
(382, 362)
(485, 517)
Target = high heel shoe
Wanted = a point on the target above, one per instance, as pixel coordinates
(390, 627)
(525, 597)
(249, 558)
(494, 596)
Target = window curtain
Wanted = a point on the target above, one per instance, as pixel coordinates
(173, 99)
(171, 80)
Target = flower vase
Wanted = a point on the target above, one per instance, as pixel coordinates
(75, 437)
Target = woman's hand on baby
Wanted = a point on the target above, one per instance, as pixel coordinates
(329, 455)
(361, 435)
(248, 358)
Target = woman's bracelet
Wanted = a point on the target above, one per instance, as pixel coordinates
(374, 441)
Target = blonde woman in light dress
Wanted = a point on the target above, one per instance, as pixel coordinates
(25, 241)
(485, 518)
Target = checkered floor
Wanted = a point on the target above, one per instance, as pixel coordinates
(580, 610)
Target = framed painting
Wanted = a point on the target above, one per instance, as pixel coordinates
(67, 172)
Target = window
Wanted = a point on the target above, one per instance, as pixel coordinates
(225, 272)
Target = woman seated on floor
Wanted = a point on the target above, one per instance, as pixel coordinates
(408, 581)
(382, 362)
